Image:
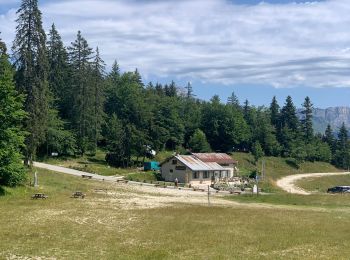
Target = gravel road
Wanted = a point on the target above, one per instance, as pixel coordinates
(75, 172)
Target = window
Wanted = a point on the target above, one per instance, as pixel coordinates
(180, 168)
(205, 175)
(171, 170)
(195, 175)
(174, 162)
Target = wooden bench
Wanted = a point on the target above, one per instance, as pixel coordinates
(39, 196)
(101, 190)
(235, 192)
(78, 194)
(86, 176)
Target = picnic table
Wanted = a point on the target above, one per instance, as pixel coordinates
(39, 196)
(78, 194)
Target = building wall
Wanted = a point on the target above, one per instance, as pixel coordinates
(181, 175)
(230, 168)
(170, 173)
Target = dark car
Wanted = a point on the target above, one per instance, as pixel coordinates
(339, 189)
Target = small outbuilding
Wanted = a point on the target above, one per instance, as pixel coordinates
(151, 166)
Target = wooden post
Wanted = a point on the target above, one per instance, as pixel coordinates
(208, 196)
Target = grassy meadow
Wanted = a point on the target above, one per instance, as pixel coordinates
(89, 163)
(321, 184)
(277, 167)
(104, 226)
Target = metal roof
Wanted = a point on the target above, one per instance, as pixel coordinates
(215, 157)
(197, 165)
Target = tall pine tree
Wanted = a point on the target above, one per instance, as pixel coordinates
(98, 84)
(58, 71)
(29, 48)
(80, 55)
(307, 120)
(275, 113)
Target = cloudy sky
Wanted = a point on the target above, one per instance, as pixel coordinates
(257, 49)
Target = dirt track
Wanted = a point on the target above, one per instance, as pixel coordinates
(288, 183)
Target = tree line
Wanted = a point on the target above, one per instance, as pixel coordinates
(57, 98)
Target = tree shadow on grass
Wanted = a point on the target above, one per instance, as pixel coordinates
(2, 191)
(292, 163)
(97, 161)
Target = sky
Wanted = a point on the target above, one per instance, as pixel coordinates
(256, 49)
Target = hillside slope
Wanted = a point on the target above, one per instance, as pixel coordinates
(277, 167)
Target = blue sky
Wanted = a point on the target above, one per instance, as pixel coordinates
(256, 49)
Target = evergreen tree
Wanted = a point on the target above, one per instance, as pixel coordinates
(116, 142)
(98, 71)
(172, 89)
(246, 109)
(189, 90)
(198, 142)
(58, 71)
(288, 115)
(159, 89)
(11, 134)
(233, 100)
(30, 58)
(82, 108)
(342, 155)
(307, 120)
(275, 113)
(329, 138)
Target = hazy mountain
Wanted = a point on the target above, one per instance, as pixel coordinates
(334, 116)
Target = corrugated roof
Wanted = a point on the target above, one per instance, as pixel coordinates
(197, 165)
(222, 158)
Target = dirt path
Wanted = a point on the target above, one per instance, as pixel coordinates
(74, 172)
(288, 183)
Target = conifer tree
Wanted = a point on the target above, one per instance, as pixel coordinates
(307, 120)
(342, 156)
(98, 72)
(288, 115)
(275, 112)
(11, 134)
(82, 93)
(58, 71)
(189, 91)
(329, 138)
(233, 100)
(30, 56)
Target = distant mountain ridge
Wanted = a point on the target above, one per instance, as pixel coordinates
(335, 116)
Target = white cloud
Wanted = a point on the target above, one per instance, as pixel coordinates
(212, 40)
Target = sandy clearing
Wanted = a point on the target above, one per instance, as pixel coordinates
(288, 183)
(131, 196)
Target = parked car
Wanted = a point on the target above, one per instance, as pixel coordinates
(339, 189)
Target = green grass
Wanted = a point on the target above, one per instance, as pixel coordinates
(93, 164)
(321, 184)
(100, 228)
(142, 176)
(315, 200)
(277, 167)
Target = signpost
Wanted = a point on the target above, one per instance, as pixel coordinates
(36, 180)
